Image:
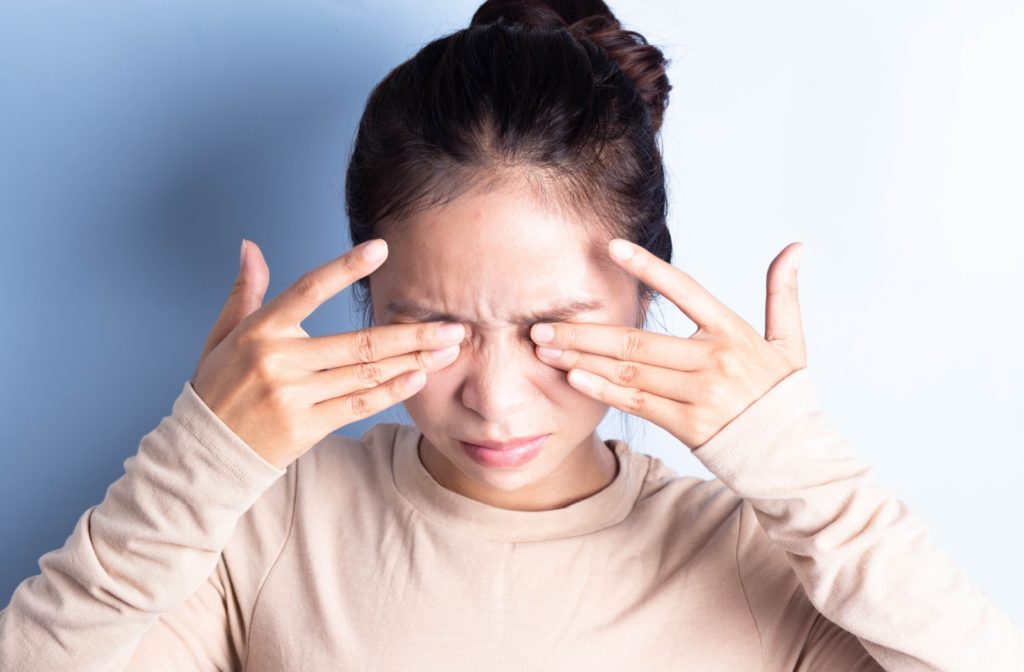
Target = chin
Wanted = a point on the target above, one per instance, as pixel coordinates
(506, 481)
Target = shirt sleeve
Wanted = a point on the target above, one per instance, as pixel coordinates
(862, 558)
(152, 542)
(795, 636)
(195, 635)
(210, 630)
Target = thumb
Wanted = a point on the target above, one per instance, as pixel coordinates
(246, 295)
(249, 288)
(783, 326)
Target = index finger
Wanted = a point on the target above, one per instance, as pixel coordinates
(315, 287)
(624, 343)
(676, 285)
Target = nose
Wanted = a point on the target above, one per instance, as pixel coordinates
(496, 385)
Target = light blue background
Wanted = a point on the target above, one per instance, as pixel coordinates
(139, 142)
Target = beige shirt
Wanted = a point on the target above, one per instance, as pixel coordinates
(203, 556)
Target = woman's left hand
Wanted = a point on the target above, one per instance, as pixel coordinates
(692, 387)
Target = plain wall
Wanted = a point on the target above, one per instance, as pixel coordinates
(139, 142)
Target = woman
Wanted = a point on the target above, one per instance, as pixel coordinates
(507, 209)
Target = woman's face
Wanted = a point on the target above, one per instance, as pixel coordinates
(498, 263)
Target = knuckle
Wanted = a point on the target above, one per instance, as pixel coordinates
(422, 358)
(397, 389)
(426, 334)
(359, 406)
(308, 287)
(629, 346)
(627, 373)
(568, 334)
(637, 400)
(730, 363)
(279, 399)
(369, 374)
(263, 360)
(352, 260)
(249, 337)
(365, 346)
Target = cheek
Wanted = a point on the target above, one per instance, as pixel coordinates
(438, 391)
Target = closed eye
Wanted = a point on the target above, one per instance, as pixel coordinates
(524, 333)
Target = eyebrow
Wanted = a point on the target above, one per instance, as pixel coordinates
(556, 313)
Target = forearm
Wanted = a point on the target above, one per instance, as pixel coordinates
(864, 559)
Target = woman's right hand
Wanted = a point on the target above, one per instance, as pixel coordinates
(281, 390)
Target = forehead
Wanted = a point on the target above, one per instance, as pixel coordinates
(498, 256)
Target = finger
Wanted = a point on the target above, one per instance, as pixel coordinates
(659, 410)
(621, 342)
(367, 375)
(245, 297)
(251, 284)
(319, 353)
(783, 324)
(669, 383)
(676, 285)
(332, 414)
(313, 288)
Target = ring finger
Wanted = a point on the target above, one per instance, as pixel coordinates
(667, 383)
(345, 380)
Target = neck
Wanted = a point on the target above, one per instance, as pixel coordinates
(587, 470)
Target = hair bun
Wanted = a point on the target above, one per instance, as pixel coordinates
(643, 63)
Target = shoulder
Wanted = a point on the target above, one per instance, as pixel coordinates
(336, 469)
(342, 462)
(701, 505)
(706, 512)
(685, 500)
(336, 478)
(345, 457)
(689, 511)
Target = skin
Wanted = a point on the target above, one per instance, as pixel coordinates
(691, 387)
(487, 258)
(281, 390)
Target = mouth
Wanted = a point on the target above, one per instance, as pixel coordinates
(503, 445)
(507, 455)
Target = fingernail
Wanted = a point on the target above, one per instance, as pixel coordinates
(444, 353)
(415, 379)
(375, 250)
(550, 353)
(241, 255)
(542, 333)
(451, 332)
(580, 379)
(621, 249)
(797, 257)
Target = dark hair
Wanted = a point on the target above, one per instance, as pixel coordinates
(555, 96)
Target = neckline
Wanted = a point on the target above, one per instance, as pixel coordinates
(605, 508)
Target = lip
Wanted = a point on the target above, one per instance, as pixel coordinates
(505, 457)
(503, 445)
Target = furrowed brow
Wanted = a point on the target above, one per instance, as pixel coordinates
(556, 313)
